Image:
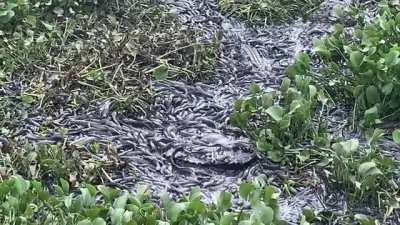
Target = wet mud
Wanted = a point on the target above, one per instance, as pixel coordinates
(186, 140)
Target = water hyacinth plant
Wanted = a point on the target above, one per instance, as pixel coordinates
(29, 202)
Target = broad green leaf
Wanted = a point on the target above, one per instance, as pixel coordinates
(321, 49)
(346, 148)
(6, 16)
(85, 222)
(120, 202)
(161, 72)
(396, 136)
(65, 186)
(86, 198)
(369, 169)
(374, 135)
(99, 221)
(313, 91)
(128, 216)
(224, 201)
(108, 193)
(392, 58)
(264, 213)
(371, 116)
(68, 201)
(373, 95)
(356, 58)
(172, 209)
(227, 219)
(387, 89)
(276, 112)
(268, 99)
(20, 184)
(245, 189)
(117, 216)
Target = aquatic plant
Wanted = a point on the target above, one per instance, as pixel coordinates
(75, 54)
(361, 66)
(281, 123)
(396, 136)
(364, 175)
(268, 11)
(29, 202)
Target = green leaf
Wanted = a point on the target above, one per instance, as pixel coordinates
(27, 99)
(356, 58)
(120, 202)
(6, 16)
(396, 136)
(245, 189)
(387, 89)
(346, 148)
(117, 216)
(276, 112)
(313, 91)
(368, 169)
(371, 116)
(161, 72)
(285, 85)
(64, 185)
(108, 193)
(172, 209)
(227, 219)
(374, 135)
(20, 185)
(267, 100)
(392, 58)
(85, 222)
(254, 88)
(99, 221)
(224, 201)
(264, 213)
(373, 96)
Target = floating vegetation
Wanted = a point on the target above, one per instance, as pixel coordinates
(361, 66)
(55, 55)
(29, 202)
(358, 67)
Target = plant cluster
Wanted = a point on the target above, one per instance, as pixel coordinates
(365, 175)
(362, 66)
(29, 202)
(49, 162)
(57, 56)
(362, 69)
(279, 123)
(268, 11)
(76, 54)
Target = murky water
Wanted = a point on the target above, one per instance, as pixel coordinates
(186, 140)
